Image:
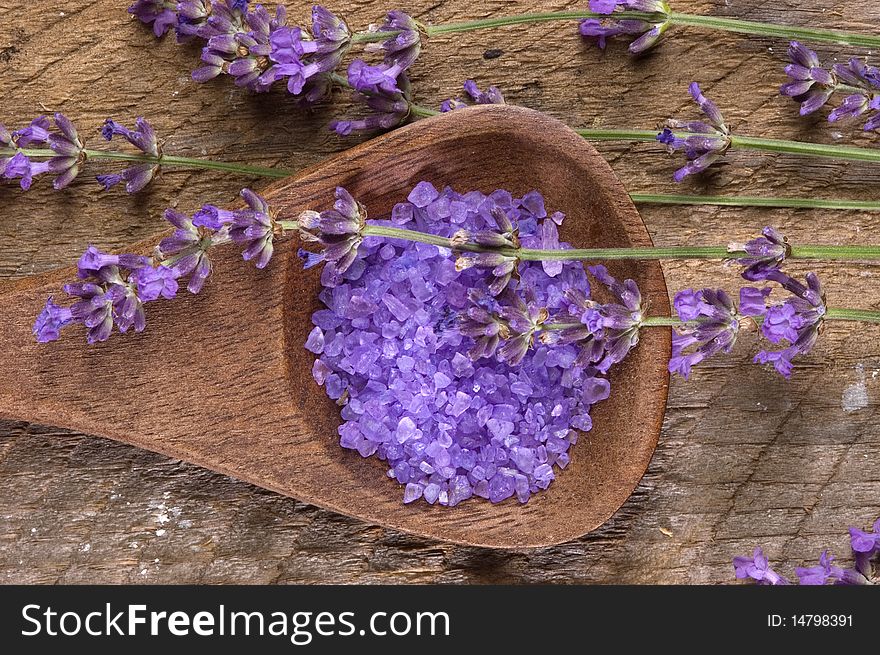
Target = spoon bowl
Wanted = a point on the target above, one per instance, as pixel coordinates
(222, 379)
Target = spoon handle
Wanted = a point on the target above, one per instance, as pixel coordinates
(35, 376)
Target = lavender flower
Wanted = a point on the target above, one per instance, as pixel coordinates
(603, 29)
(865, 80)
(112, 292)
(113, 288)
(491, 96)
(64, 141)
(192, 18)
(796, 320)
(186, 250)
(482, 322)
(338, 231)
(251, 49)
(865, 546)
(764, 255)
(711, 324)
(757, 567)
(825, 571)
(402, 49)
(305, 60)
(254, 228)
(524, 316)
(157, 13)
(143, 138)
(810, 84)
(35, 134)
(50, 321)
(615, 324)
(388, 98)
(705, 143)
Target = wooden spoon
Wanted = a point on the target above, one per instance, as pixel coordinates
(222, 379)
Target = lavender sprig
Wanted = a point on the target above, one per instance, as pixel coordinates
(144, 139)
(61, 151)
(708, 323)
(385, 92)
(865, 547)
(704, 143)
(812, 86)
(796, 320)
(65, 148)
(257, 48)
(112, 289)
(648, 32)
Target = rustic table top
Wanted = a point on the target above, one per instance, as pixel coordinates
(745, 457)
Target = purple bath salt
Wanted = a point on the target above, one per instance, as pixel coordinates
(389, 350)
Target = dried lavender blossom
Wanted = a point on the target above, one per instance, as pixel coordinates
(143, 138)
(614, 325)
(825, 571)
(796, 320)
(337, 231)
(112, 292)
(757, 567)
(62, 138)
(187, 248)
(711, 325)
(306, 60)
(491, 96)
(254, 228)
(386, 95)
(251, 49)
(810, 84)
(866, 79)
(402, 48)
(156, 13)
(764, 254)
(864, 548)
(606, 28)
(704, 143)
(390, 350)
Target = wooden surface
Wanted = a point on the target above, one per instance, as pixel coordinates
(223, 380)
(745, 458)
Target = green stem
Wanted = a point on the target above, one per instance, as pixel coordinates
(638, 198)
(612, 134)
(720, 23)
(752, 201)
(678, 252)
(806, 149)
(163, 160)
(769, 29)
(856, 253)
(836, 314)
(831, 314)
(539, 17)
(421, 112)
(802, 148)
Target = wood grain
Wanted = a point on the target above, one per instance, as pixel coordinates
(744, 458)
